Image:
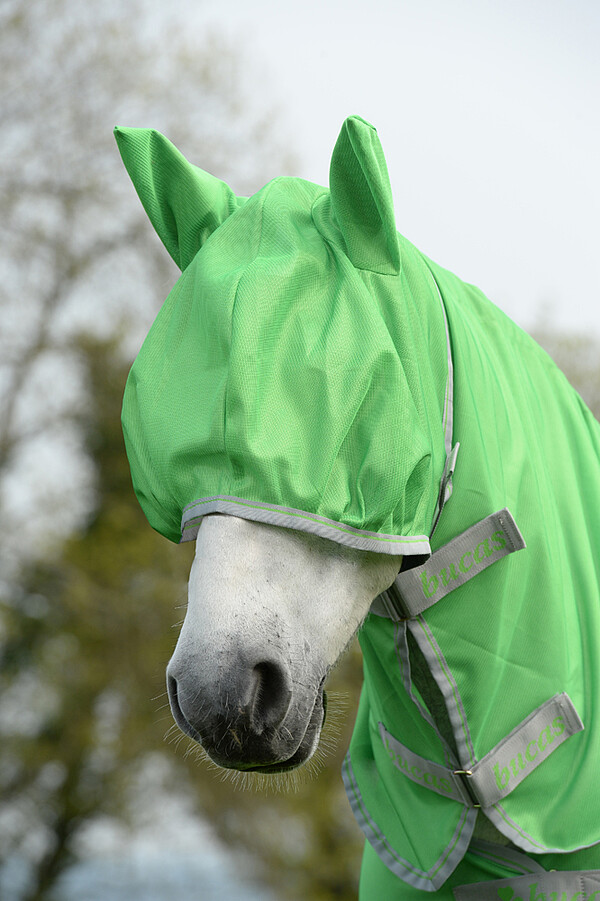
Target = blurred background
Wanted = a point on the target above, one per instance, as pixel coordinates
(488, 113)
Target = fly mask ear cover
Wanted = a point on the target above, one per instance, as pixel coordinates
(290, 375)
(184, 204)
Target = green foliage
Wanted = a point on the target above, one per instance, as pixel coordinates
(72, 636)
(86, 622)
(93, 631)
(577, 356)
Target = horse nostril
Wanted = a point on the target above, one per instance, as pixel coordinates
(272, 696)
(173, 699)
(178, 714)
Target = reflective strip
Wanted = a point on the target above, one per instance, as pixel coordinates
(448, 413)
(506, 766)
(424, 772)
(463, 558)
(573, 885)
(520, 753)
(403, 657)
(449, 859)
(289, 518)
(444, 679)
(501, 855)
(447, 420)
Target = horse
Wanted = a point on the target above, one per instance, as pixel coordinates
(361, 443)
(270, 612)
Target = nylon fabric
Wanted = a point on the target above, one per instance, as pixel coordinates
(293, 358)
(529, 443)
(377, 794)
(420, 835)
(480, 863)
(521, 631)
(483, 865)
(300, 370)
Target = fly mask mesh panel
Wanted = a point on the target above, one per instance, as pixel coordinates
(279, 375)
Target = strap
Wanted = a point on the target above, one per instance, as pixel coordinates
(437, 778)
(503, 768)
(463, 558)
(571, 885)
(529, 744)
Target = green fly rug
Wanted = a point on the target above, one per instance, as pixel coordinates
(312, 369)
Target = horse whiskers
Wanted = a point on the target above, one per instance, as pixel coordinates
(194, 749)
(272, 783)
(235, 737)
(166, 718)
(162, 694)
(182, 606)
(173, 735)
(277, 783)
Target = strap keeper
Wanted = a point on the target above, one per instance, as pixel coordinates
(464, 781)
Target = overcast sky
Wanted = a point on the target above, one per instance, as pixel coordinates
(488, 111)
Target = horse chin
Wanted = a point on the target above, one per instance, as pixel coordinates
(305, 749)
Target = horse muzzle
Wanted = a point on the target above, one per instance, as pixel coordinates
(251, 717)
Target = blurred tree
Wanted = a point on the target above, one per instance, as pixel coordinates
(86, 621)
(71, 229)
(84, 638)
(578, 357)
(85, 644)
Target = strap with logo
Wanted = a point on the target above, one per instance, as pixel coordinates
(583, 885)
(497, 774)
(463, 558)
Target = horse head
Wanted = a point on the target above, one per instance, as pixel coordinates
(271, 389)
(270, 611)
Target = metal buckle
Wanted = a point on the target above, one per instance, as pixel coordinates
(464, 774)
